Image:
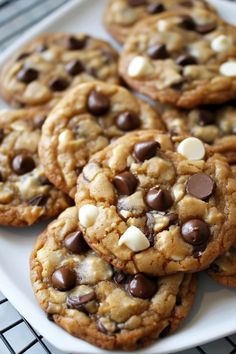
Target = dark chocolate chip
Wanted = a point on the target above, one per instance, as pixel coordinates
(125, 183)
(74, 43)
(101, 327)
(119, 277)
(39, 200)
(128, 121)
(165, 332)
(63, 279)
(92, 71)
(50, 317)
(205, 117)
(156, 8)
(41, 48)
(78, 171)
(78, 302)
(195, 232)
(39, 121)
(98, 103)
(1, 135)
(188, 23)
(59, 84)
(76, 243)
(74, 67)
(158, 51)
(200, 186)
(142, 286)
(206, 28)
(146, 150)
(27, 75)
(173, 218)
(186, 59)
(177, 86)
(23, 56)
(149, 228)
(158, 199)
(1, 177)
(135, 3)
(188, 4)
(22, 164)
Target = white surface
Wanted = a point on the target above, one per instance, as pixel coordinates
(213, 315)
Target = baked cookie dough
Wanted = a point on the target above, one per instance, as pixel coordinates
(44, 69)
(145, 208)
(185, 58)
(84, 122)
(26, 195)
(83, 294)
(215, 125)
(121, 15)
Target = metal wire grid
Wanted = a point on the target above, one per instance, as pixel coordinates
(13, 20)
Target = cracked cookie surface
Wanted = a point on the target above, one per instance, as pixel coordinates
(82, 293)
(215, 125)
(44, 69)
(84, 122)
(121, 15)
(26, 195)
(183, 58)
(145, 208)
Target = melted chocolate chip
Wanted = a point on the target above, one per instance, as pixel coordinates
(205, 117)
(135, 3)
(149, 228)
(156, 8)
(74, 43)
(200, 186)
(74, 67)
(2, 135)
(59, 84)
(98, 103)
(101, 327)
(22, 164)
(142, 287)
(128, 121)
(27, 75)
(39, 121)
(186, 59)
(39, 200)
(206, 28)
(45, 181)
(1, 177)
(177, 86)
(119, 277)
(50, 317)
(178, 300)
(125, 183)
(78, 302)
(76, 243)
(158, 199)
(173, 218)
(195, 232)
(23, 56)
(146, 150)
(63, 279)
(158, 51)
(188, 23)
(188, 4)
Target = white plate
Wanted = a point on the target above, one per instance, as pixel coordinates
(214, 312)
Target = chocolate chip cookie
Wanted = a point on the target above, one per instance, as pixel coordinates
(215, 125)
(26, 195)
(83, 294)
(87, 119)
(145, 208)
(185, 58)
(43, 70)
(121, 15)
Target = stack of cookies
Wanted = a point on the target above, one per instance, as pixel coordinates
(145, 188)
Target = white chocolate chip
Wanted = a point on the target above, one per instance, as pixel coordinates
(88, 214)
(167, 25)
(221, 43)
(192, 148)
(134, 239)
(228, 69)
(48, 55)
(140, 66)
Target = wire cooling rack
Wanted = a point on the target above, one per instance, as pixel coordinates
(17, 336)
